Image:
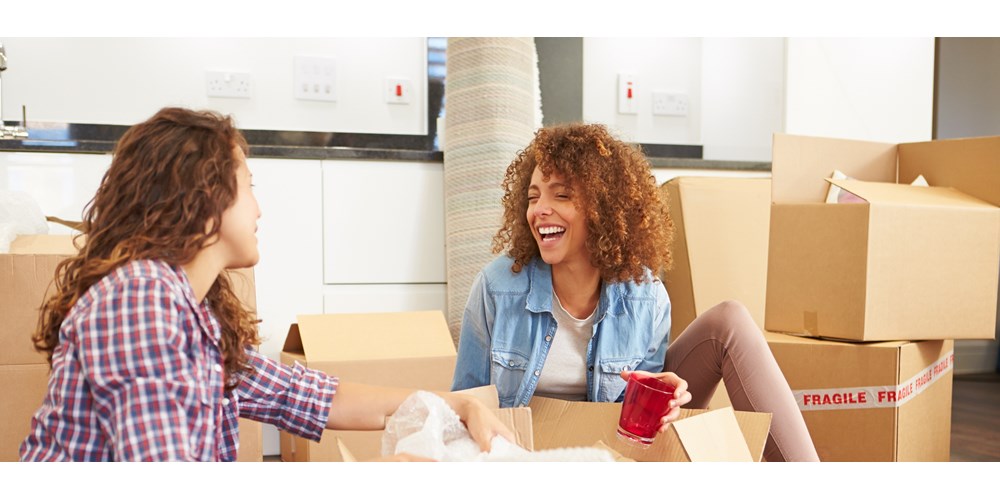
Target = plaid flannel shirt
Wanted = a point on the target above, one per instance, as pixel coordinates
(138, 376)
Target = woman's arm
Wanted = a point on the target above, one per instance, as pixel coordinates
(366, 407)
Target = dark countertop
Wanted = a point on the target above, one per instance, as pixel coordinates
(100, 139)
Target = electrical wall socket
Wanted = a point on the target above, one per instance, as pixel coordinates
(228, 84)
(670, 104)
(315, 78)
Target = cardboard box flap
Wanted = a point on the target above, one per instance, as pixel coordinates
(519, 421)
(904, 194)
(713, 437)
(353, 337)
(969, 165)
(43, 244)
(800, 165)
(486, 394)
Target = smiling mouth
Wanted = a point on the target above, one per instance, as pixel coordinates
(551, 233)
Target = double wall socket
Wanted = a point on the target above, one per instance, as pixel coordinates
(315, 78)
(228, 84)
(670, 104)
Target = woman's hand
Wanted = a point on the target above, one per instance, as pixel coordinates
(681, 395)
(482, 423)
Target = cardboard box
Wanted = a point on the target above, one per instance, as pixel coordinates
(406, 349)
(699, 435)
(26, 274)
(912, 263)
(549, 424)
(720, 249)
(720, 245)
(867, 402)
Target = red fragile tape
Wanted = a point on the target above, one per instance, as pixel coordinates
(851, 398)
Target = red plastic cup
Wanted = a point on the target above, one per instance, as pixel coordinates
(647, 400)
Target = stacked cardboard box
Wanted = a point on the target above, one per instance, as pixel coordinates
(26, 275)
(912, 424)
(910, 263)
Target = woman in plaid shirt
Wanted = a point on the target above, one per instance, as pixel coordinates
(151, 351)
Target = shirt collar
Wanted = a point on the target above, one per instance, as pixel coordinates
(203, 311)
(540, 292)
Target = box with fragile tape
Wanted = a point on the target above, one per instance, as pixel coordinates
(874, 401)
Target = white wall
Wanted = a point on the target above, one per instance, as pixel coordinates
(742, 97)
(735, 86)
(669, 64)
(877, 89)
(125, 80)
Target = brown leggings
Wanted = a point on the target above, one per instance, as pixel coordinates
(725, 343)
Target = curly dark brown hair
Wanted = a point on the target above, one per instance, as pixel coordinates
(168, 177)
(628, 221)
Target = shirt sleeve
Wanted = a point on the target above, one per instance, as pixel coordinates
(293, 398)
(472, 369)
(132, 352)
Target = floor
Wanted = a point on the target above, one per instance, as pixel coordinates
(975, 418)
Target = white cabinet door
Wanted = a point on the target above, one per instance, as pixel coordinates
(61, 183)
(289, 276)
(383, 222)
(374, 298)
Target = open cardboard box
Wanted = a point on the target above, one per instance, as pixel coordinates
(546, 424)
(698, 436)
(404, 349)
(26, 275)
(871, 401)
(912, 263)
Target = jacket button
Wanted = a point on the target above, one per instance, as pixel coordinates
(511, 363)
(537, 373)
(590, 368)
(548, 338)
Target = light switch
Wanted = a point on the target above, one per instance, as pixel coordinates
(398, 90)
(627, 94)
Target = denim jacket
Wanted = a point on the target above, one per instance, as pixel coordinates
(507, 330)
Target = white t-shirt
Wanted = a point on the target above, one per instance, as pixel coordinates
(564, 375)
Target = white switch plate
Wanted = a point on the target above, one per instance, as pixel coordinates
(228, 84)
(627, 94)
(398, 90)
(315, 78)
(670, 103)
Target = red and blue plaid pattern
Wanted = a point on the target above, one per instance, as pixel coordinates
(138, 376)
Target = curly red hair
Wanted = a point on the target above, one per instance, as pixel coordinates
(628, 221)
(168, 177)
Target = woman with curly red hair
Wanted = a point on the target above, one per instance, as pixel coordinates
(575, 305)
(151, 352)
